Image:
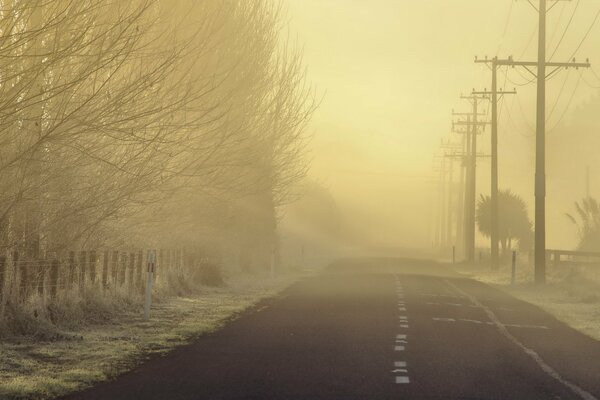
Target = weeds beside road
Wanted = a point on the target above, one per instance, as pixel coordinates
(78, 357)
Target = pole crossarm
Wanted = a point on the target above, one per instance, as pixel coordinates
(462, 155)
(510, 62)
(498, 92)
(459, 114)
(469, 123)
(472, 97)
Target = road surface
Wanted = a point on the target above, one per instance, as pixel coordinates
(376, 329)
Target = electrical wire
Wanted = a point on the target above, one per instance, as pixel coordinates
(559, 95)
(527, 79)
(531, 128)
(560, 16)
(529, 41)
(505, 28)
(587, 33)
(587, 83)
(566, 108)
(565, 30)
(513, 123)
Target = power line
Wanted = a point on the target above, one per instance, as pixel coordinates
(555, 30)
(565, 30)
(531, 128)
(559, 95)
(513, 123)
(567, 107)
(586, 34)
(587, 83)
(529, 41)
(505, 27)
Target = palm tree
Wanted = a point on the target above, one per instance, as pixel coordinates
(587, 221)
(513, 220)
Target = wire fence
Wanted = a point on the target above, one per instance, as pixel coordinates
(106, 270)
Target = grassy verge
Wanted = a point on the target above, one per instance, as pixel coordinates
(571, 294)
(34, 369)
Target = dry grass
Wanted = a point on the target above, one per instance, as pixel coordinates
(101, 346)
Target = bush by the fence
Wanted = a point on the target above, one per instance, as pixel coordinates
(211, 274)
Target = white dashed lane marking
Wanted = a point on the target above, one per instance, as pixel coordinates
(477, 322)
(400, 370)
(463, 305)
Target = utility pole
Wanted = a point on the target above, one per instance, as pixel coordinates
(437, 237)
(449, 207)
(494, 147)
(443, 205)
(450, 201)
(540, 152)
(460, 223)
(540, 133)
(465, 179)
(470, 201)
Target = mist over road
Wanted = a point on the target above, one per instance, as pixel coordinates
(376, 329)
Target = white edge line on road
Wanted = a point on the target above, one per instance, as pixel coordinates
(402, 379)
(530, 352)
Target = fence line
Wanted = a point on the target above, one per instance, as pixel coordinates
(107, 270)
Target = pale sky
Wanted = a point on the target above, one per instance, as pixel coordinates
(391, 71)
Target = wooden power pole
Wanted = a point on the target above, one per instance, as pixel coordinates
(540, 133)
(470, 199)
(493, 95)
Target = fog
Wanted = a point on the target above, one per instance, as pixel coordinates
(391, 72)
(307, 199)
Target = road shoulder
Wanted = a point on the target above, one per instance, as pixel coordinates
(39, 370)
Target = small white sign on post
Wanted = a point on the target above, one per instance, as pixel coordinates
(151, 267)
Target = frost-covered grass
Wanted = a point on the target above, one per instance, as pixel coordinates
(92, 352)
(571, 294)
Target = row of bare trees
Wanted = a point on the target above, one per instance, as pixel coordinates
(142, 122)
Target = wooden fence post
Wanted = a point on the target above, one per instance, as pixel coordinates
(40, 267)
(513, 274)
(72, 269)
(2, 277)
(123, 271)
(115, 268)
(14, 285)
(140, 270)
(24, 280)
(131, 270)
(82, 268)
(92, 267)
(54, 278)
(105, 270)
(161, 263)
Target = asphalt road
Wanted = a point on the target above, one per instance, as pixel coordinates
(376, 329)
